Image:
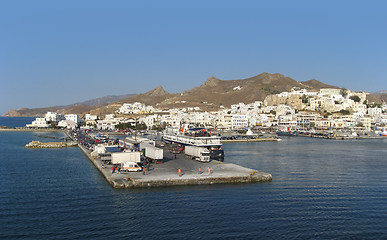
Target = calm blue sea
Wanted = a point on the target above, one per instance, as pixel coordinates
(15, 121)
(321, 189)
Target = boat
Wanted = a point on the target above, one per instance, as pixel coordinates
(198, 137)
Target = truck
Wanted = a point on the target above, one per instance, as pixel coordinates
(200, 154)
(128, 161)
(154, 153)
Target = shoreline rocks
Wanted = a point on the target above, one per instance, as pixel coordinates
(38, 144)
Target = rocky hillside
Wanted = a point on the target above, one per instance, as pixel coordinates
(209, 96)
(153, 98)
(377, 97)
(215, 92)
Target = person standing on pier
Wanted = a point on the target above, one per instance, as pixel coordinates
(179, 171)
(143, 171)
(200, 170)
(113, 169)
(209, 171)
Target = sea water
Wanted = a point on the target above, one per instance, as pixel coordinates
(15, 121)
(321, 189)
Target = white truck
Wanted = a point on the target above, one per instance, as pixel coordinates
(200, 154)
(154, 153)
(128, 161)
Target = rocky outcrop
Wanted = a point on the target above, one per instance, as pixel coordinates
(37, 144)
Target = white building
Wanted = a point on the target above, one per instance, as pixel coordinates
(107, 124)
(135, 108)
(72, 117)
(69, 124)
(330, 91)
(374, 111)
(54, 117)
(239, 121)
(39, 123)
(360, 108)
(89, 117)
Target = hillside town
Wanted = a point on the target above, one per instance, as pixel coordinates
(330, 109)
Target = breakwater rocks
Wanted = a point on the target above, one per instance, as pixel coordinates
(37, 144)
(24, 129)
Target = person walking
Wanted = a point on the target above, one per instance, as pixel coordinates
(143, 171)
(113, 169)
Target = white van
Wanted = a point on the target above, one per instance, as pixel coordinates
(130, 167)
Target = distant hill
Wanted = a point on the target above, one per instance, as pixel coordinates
(30, 112)
(104, 100)
(80, 108)
(209, 96)
(153, 98)
(377, 97)
(314, 84)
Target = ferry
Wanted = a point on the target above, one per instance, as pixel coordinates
(198, 137)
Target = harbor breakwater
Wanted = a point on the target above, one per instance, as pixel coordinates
(38, 144)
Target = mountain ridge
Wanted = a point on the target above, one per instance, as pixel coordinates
(209, 96)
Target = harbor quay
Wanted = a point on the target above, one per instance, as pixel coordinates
(167, 173)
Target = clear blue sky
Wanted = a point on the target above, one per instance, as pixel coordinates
(62, 52)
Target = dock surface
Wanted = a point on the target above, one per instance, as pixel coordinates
(166, 173)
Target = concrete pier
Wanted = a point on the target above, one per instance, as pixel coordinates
(166, 174)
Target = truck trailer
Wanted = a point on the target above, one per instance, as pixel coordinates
(128, 161)
(154, 153)
(118, 158)
(200, 154)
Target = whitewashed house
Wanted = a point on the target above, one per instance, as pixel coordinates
(72, 117)
(39, 123)
(239, 121)
(54, 117)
